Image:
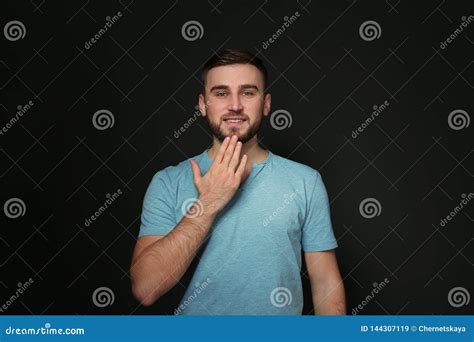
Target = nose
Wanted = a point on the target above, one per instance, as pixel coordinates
(235, 105)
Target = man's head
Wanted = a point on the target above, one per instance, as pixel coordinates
(233, 99)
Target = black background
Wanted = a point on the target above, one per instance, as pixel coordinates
(321, 71)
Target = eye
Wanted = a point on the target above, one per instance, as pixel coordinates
(248, 93)
(221, 94)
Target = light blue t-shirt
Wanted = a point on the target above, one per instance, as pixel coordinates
(251, 260)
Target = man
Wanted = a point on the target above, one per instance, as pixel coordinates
(252, 212)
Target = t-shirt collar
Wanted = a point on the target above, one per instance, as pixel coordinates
(205, 161)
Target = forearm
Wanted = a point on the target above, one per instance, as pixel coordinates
(160, 266)
(329, 298)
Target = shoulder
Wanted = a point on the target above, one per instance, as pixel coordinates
(294, 170)
(171, 176)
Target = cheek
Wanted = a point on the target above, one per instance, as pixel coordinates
(254, 108)
(211, 113)
(217, 108)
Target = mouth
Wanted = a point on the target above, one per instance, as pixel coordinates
(234, 121)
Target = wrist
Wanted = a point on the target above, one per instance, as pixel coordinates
(207, 207)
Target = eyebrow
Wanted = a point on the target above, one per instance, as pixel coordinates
(225, 87)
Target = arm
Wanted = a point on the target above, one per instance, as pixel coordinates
(326, 284)
(160, 261)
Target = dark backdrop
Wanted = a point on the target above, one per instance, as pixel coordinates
(413, 162)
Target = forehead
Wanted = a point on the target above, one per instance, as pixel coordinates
(234, 75)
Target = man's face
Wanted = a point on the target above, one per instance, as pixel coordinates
(234, 101)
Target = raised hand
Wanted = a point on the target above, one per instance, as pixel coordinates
(217, 187)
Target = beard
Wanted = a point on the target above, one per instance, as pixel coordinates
(221, 133)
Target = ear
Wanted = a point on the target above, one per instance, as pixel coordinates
(202, 105)
(267, 104)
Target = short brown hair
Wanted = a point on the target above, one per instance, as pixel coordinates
(233, 56)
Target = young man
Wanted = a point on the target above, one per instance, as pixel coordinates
(252, 212)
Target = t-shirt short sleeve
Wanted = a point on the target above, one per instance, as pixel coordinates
(317, 232)
(157, 216)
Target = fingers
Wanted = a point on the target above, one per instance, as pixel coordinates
(230, 151)
(241, 168)
(196, 171)
(222, 149)
(234, 162)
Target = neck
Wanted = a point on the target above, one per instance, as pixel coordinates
(251, 148)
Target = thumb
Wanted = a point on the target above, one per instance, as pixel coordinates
(196, 170)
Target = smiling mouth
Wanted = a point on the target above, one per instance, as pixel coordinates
(234, 122)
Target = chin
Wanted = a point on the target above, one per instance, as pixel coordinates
(239, 132)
